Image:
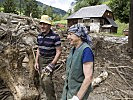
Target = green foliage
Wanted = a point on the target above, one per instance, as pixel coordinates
(60, 22)
(85, 3)
(57, 17)
(1, 7)
(66, 15)
(9, 6)
(106, 2)
(120, 9)
(31, 7)
(49, 11)
(121, 27)
(63, 24)
(94, 2)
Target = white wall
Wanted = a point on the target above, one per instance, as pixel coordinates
(94, 25)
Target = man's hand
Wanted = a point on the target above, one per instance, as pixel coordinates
(36, 66)
(74, 98)
(48, 69)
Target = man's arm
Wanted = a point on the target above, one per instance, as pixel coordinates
(36, 60)
(88, 70)
(58, 53)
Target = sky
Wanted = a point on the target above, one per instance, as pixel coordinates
(62, 4)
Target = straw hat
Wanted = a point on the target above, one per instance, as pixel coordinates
(46, 19)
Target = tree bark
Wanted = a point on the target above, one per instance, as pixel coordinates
(16, 57)
(130, 36)
(18, 78)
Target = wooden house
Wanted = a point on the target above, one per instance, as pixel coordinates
(97, 19)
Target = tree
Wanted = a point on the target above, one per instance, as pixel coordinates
(57, 17)
(31, 7)
(130, 37)
(44, 11)
(20, 7)
(1, 7)
(9, 6)
(85, 3)
(49, 11)
(120, 9)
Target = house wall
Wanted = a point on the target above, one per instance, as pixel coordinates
(109, 30)
(72, 22)
(94, 24)
(106, 30)
(108, 14)
(113, 29)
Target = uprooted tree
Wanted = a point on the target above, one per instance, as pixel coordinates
(17, 56)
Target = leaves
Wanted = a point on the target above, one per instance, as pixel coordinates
(85, 3)
(31, 7)
(120, 9)
(9, 6)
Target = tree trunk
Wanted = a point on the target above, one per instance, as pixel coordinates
(20, 79)
(130, 37)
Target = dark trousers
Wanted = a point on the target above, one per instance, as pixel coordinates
(47, 83)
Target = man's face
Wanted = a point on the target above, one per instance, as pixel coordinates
(73, 39)
(45, 27)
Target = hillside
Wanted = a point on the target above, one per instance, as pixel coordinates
(55, 10)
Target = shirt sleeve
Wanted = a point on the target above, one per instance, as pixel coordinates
(37, 41)
(88, 55)
(57, 41)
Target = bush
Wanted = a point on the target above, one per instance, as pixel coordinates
(121, 27)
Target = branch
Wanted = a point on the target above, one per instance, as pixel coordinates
(100, 78)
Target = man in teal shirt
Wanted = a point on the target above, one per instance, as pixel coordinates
(79, 65)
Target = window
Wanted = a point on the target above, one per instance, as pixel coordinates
(92, 20)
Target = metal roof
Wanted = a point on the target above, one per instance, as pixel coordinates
(90, 11)
(112, 22)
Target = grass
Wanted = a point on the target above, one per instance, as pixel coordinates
(60, 22)
(1, 9)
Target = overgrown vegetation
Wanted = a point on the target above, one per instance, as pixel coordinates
(60, 22)
(10, 6)
(121, 27)
(85, 3)
(120, 9)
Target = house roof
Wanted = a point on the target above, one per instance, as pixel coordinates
(90, 11)
(112, 22)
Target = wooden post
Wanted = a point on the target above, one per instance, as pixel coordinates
(130, 37)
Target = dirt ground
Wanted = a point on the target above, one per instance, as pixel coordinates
(111, 55)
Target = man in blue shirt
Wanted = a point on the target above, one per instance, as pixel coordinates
(79, 65)
(48, 53)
